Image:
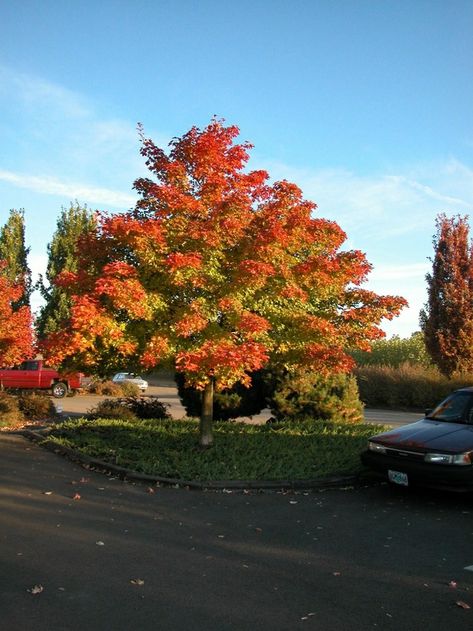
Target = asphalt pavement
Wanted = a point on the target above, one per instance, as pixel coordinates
(81, 550)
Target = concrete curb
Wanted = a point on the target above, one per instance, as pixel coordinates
(40, 436)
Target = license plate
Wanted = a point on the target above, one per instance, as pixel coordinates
(398, 477)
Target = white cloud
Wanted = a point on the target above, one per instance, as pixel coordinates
(386, 204)
(408, 281)
(61, 145)
(399, 272)
(39, 95)
(69, 190)
(61, 134)
(391, 217)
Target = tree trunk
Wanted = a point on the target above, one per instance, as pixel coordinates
(206, 416)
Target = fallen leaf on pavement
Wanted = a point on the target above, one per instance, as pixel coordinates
(47, 492)
(137, 581)
(336, 573)
(36, 589)
(452, 584)
(151, 490)
(463, 604)
(99, 543)
(76, 496)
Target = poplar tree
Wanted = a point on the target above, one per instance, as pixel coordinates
(447, 319)
(15, 254)
(73, 223)
(16, 333)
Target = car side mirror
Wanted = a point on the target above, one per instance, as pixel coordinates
(428, 411)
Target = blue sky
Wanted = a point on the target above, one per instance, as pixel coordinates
(367, 105)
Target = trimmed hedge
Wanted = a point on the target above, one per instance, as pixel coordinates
(407, 386)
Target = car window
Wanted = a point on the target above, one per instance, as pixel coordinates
(457, 408)
(30, 365)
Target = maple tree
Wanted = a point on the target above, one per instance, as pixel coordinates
(218, 271)
(447, 319)
(16, 333)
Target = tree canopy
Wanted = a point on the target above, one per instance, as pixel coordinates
(63, 252)
(16, 333)
(15, 253)
(218, 271)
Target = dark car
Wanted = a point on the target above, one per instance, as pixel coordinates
(436, 451)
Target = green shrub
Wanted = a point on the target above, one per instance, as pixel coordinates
(146, 408)
(228, 404)
(10, 413)
(306, 395)
(129, 389)
(36, 406)
(407, 386)
(107, 388)
(112, 409)
(130, 409)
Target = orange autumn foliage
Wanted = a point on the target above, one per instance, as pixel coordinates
(16, 332)
(218, 271)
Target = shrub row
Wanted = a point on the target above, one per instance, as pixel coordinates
(112, 389)
(407, 386)
(288, 396)
(129, 409)
(28, 406)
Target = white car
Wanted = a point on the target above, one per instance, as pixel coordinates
(131, 377)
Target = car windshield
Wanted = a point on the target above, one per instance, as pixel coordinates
(457, 408)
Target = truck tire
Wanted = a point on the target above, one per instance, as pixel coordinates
(59, 390)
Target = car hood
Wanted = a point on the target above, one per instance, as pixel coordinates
(427, 435)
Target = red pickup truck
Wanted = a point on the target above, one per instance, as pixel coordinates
(33, 374)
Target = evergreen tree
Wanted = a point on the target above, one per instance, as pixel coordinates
(72, 223)
(15, 254)
(447, 320)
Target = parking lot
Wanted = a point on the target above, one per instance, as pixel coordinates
(81, 550)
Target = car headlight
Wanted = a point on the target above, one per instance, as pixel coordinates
(376, 447)
(461, 459)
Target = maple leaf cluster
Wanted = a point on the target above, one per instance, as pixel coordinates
(16, 332)
(218, 271)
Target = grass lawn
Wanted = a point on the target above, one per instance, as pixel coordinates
(167, 448)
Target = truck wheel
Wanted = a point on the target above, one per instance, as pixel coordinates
(59, 390)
